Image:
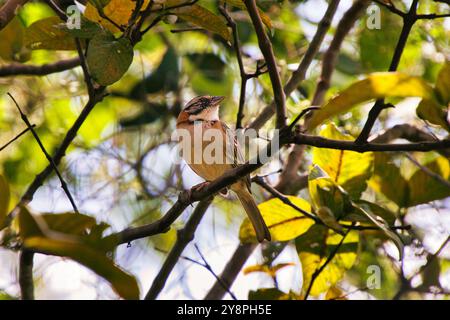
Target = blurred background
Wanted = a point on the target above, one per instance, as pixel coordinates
(121, 168)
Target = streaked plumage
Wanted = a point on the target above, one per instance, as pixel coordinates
(204, 111)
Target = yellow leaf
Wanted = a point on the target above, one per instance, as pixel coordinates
(314, 248)
(284, 222)
(387, 179)
(443, 84)
(335, 293)
(118, 11)
(347, 168)
(271, 271)
(375, 86)
(204, 18)
(240, 4)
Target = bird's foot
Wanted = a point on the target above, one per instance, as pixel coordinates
(197, 187)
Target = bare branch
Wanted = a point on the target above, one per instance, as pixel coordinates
(322, 267)
(49, 158)
(408, 22)
(16, 137)
(231, 271)
(184, 236)
(9, 10)
(330, 57)
(26, 275)
(299, 74)
(266, 48)
(17, 69)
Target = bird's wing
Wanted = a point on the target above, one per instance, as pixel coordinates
(235, 157)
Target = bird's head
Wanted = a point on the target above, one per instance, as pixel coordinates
(202, 108)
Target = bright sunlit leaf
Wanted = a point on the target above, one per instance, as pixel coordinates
(284, 222)
(351, 170)
(375, 86)
(315, 246)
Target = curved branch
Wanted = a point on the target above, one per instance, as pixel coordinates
(184, 236)
(17, 69)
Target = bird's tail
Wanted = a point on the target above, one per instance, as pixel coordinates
(249, 204)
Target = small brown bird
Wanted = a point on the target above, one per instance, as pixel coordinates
(203, 111)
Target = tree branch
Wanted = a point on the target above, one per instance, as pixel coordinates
(330, 57)
(49, 158)
(408, 21)
(17, 69)
(16, 137)
(231, 271)
(9, 10)
(322, 267)
(266, 48)
(184, 236)
(26, 275)
(299, 74)
(321, 142)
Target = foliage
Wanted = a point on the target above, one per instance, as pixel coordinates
(108, 125)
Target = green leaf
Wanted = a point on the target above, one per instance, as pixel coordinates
(124, 284)
(108, 58)
(375, 209)
(424, 188)
(30, 225)
(165, 77)
(349, 169)
(315, 246)
(70, 223)
(324, 192)
(66, 235)
(387, 179)
(271, 294)
(443, 84)
(432, 112)
(47, 34)
(240, 4)
(437, 113)
(284, 222)
(11, 45)
(383, 225)
(375, 43)
(375, 86)
(4, 200)
(203, 18)
(86, 30)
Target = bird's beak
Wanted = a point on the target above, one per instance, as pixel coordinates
(216, 100)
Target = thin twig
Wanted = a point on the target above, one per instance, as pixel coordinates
(299, 74)
(322, 267)
(209, 268)
(266, 48)
(184, 236)
(242, 72)
(16, 137)
(429, 172)
(409, 20)
(47, 155)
